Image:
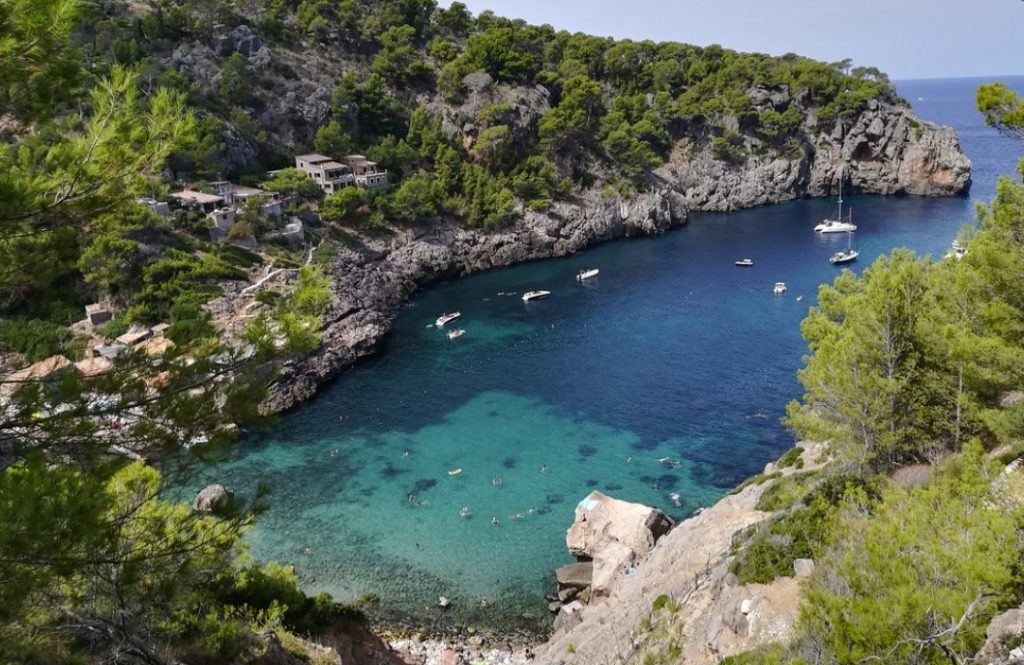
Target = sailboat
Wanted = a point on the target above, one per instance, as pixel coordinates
(847, 255)
(837, 225)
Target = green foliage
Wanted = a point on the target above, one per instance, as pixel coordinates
(729, 148)
(236, 80)
(793, 457)
(344, 206)
(1002, 107)
(293, 181)
(920, 575)
(771, 547)
(35, 338)
(772, 654)
(398, 61)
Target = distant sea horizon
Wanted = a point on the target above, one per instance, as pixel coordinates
(663, 381)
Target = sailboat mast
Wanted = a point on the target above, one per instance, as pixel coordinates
(840, 218)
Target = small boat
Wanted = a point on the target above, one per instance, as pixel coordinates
(587, 274)
(779, 288)
(846, 255)
(837, 225)
(535, 295)
(799, 298)
(445, 319)
(670, 463)
(455, 334)
(745, 263)
(956, 251)
(455, 472)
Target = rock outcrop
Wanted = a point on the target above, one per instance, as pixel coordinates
(212, 498)
(884, 150)
(613, 534)
(682, 593)
(374, 279)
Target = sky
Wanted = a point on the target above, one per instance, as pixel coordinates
(905, 38)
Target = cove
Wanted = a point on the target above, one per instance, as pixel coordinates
(672, 352)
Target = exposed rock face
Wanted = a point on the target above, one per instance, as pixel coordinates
(884, 150)
(613, 534)
(373, 281)
(709, 615)
(212, 498)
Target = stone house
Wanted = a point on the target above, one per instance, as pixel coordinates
(201, 200)
(333, 176)
(367, 173)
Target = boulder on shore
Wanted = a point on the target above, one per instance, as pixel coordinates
(575, 575)
(613, 534)
(212, 498)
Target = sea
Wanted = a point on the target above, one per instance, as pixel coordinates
(452, 468)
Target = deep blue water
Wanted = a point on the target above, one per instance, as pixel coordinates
(671, 352)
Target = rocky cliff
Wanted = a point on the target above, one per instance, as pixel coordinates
(885, 150)
(680, 603)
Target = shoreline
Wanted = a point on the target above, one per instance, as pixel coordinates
(374, 276)
(886, 150)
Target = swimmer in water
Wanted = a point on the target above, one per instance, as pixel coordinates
(307, 550)
(531, 511)
(495, 521)
(406, 453)
(543, 468)
(629, 460)
(496, 482)
(517, 516)
(334, 453)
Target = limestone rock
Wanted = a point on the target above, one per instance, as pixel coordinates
(613, 534)
(575, 575)
(212, 498)
(602, 521)
(1001, 629)
(803, 567)
(450, 657)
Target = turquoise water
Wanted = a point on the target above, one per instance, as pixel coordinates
(672, 352)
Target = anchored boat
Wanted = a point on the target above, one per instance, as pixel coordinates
(445, 319)
(535, 295)
(587, 274)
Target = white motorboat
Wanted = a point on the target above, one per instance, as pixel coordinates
(445, 319)
(455, 334)
(587, 274)
(535, 295)
(846, 255)
(745, 263)
(956, 251)
(779, 289)
(837, 225)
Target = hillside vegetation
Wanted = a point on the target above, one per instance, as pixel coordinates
(102, 103)
(916, 362)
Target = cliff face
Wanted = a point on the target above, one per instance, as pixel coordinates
(885, 150)
(681, 598)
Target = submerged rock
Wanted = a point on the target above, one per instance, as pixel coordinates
(212, 498)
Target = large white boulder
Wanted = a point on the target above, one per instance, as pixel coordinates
(614, 534)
